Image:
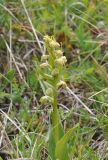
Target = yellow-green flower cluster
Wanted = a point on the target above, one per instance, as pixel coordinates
(51, 42)
(51, 67)
(55, 52)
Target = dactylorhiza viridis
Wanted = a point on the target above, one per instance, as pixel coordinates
(50, 73)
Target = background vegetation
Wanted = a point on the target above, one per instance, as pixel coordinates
(81, 29)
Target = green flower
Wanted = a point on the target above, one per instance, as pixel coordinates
(46, 99)
(44, 58)
(61, 84)
(49, 92)
(62, 60)
(59, 53)
(55, 72)
(44, 65)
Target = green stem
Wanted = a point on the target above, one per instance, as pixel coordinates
(55, 116)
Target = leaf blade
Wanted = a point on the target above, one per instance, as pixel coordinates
(61, 149)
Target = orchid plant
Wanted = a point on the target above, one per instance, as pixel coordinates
(51, 76)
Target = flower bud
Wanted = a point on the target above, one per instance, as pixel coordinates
(61, 84)
(47, 38)
(54, 44)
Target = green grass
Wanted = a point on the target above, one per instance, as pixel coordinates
(81, 29)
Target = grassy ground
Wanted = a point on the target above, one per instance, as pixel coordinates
(81, 29)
